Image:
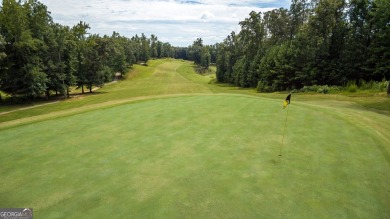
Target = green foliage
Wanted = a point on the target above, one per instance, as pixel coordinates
(384, 86)
(2, 48)
(324, 89)
(313, 88)
(22, 69)
(263, 87)
(313, 43)
(227, 56)
(373, 86)
(352, 87)
(200, 53)
(145, 49)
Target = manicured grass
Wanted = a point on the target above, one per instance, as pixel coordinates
(167, 144)
(160, 77)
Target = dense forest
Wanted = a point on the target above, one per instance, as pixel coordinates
(317, 42)
(39, 56)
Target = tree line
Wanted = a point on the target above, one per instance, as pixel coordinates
(314, 42)
(202, 55)
(39, 56)
(317, 42)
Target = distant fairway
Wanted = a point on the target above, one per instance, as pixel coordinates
(178, 147)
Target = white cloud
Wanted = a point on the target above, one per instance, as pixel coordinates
(206, 15)
(179, 22)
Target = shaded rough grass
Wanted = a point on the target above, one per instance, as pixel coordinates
(201, 156)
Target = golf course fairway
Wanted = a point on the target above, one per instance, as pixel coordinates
(196, 154)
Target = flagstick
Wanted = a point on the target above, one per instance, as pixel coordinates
(284, 129)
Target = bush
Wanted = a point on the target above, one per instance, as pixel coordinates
(383, 86)
(335, 89)
(260, 86)
(263, 87)
(313, 88)
(323, 89)
(371, 85)
(352, 88)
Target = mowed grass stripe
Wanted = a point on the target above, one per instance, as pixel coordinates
(195, 156)
(86, 108)
(158, 78)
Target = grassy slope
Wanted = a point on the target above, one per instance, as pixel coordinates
(196, 156)
(143, 81)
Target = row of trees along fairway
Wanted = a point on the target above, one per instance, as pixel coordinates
(202, 55)
(39, 56)
(315, 42)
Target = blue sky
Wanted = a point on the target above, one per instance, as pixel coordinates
(178, 22)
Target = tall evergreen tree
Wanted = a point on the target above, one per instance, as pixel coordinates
(145, 49)
(379, 61)
(80, 35)
(153, 46)
(2, 57)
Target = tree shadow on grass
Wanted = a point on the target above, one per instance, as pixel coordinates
(87, 94)
(380, 107)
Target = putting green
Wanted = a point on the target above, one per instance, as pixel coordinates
(202, 156)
